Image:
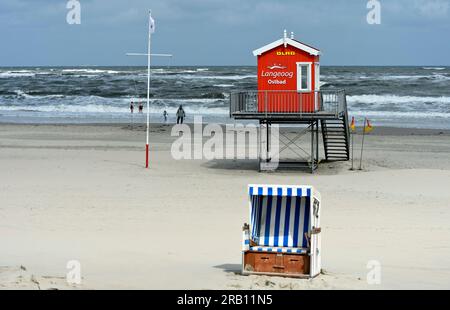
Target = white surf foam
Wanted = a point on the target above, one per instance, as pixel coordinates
(394, 99)
(224, 85)
(20, 73)
(434, 68)
(217, 77)
(91, 71)
(401, 115)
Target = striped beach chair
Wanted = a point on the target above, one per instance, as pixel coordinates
(283, 236)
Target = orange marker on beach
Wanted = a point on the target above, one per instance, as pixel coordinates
(368, 128)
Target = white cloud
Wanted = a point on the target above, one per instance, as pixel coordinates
(432, 8)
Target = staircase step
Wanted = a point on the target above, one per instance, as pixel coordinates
(336, 143)
(333, 122)
(337, 158)
(335, 131)
(334, 125)
(336, 154)
(340, 157)
(336, 150)
(331, 150)
(336, 139)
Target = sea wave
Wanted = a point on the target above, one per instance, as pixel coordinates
(434, 68)
(91, 71)
(434, 76)
(401, 115)
(104, 92)
(215, 77)
(395, 99)
(223, 85)
(13, 74)
(96, 104)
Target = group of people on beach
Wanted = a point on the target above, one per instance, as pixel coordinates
(180, 112)
(140, 107)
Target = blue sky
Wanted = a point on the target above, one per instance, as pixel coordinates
(222, 32)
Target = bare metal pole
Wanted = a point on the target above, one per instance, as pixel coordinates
(267, 143)
(317, 144)
(353, 138)
(312, 147)
(259, 146)
(362, 145)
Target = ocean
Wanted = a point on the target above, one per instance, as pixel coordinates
(416, 97)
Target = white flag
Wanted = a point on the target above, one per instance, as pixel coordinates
(152, 25)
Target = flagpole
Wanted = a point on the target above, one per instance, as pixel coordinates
(148, 85)
(151, 29)
(362, 145)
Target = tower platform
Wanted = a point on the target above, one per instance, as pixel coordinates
(319, 112)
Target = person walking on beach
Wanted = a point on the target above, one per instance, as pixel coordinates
(180, 115)
(132, 107)
(165, 116)
(141, 107)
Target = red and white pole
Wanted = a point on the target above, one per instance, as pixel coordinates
(150, 30)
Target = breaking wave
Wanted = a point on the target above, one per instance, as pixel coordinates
(390, 94)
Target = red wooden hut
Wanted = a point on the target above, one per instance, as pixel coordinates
(288, 77)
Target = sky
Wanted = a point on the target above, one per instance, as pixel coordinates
(222, 32)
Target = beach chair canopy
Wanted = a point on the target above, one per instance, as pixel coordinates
(280, 217)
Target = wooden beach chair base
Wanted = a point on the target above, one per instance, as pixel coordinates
(276, 264)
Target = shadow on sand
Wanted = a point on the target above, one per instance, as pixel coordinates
(232, 164)
(230, 268)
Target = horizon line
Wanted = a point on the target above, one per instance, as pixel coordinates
(197, 65)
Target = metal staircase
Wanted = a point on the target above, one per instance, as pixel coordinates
(336, 138)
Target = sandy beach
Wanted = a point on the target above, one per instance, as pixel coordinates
(80, 192)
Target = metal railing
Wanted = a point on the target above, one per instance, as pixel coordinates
(288, 102)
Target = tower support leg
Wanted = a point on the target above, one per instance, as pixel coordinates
(317, 144)
(312, 146)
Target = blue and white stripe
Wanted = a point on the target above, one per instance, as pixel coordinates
(279, 250)
(280, 216)
(286, 190)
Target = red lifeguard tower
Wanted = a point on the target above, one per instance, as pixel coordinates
(289, 93)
